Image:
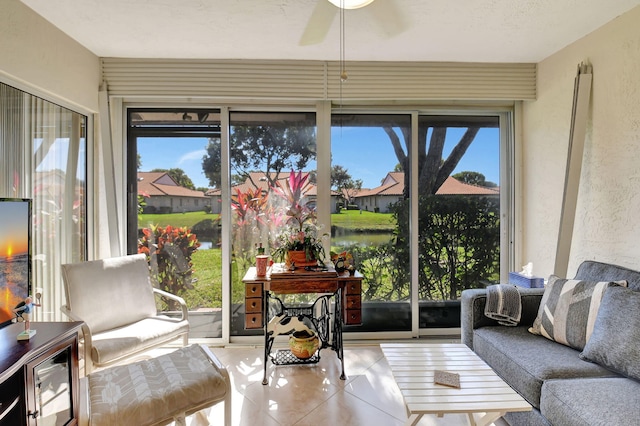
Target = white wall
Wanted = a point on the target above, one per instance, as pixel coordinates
(44, 61)
(607, 226)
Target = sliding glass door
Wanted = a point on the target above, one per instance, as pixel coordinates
(370, 180)
(456, 170)
(415, 202)
(174, 212)
(264, 147)
(458, 178)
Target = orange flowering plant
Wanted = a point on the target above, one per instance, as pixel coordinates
(171, 248)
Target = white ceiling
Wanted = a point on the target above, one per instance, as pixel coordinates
(432, 30)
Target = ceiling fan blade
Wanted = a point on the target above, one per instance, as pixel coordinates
(319, 23)
(389, 16)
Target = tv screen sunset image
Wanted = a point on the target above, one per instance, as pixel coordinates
(14, 256)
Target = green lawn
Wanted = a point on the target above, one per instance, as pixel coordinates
(361, 221)
(207, 291)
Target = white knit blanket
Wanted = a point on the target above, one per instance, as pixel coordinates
(503, 304)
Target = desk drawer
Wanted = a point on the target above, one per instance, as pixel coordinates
(252, 321)
(253, 290)
(352, 302)
(252, 305)
(353, 317)
(353, 287)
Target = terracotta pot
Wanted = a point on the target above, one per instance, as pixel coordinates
(299, 259)
(304, 344)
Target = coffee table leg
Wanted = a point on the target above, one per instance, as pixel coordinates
(413, 419)
(485, 420)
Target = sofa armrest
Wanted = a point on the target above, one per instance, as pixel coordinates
(180, 300)
(472, 305)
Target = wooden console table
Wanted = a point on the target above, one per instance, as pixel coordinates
(39, 376)
(260, 295)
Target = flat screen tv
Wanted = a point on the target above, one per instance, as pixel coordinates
(15, 255)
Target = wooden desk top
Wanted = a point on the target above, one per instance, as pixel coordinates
(300, 280)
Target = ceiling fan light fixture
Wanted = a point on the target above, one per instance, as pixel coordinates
(350, 4)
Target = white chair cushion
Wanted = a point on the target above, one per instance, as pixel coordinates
(119, 342)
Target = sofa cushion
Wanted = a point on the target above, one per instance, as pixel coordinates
(568, 310)
(591, 402)
(599, 271)
(526, 360)
(616, 335)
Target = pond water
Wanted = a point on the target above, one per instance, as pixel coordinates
(361, 239)
(205, 245)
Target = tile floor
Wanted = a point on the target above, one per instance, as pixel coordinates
(313, 394)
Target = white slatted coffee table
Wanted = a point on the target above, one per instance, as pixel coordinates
(481, 390)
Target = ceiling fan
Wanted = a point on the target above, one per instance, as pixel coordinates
(385, 12)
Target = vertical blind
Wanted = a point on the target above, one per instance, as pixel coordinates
(43, 158)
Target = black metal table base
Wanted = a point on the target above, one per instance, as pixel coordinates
(286, 357)
(324, 316)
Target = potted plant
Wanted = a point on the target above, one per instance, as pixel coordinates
(299, 244)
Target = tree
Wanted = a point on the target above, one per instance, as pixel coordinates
(433, 169)
(342, 182)
(179, 176)
(474, 178)
(339, 177)
(271, 148)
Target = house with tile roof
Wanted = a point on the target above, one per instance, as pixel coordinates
(390, 191)
(163, 195)
(259, 180)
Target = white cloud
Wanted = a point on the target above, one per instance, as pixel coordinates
(191, 156)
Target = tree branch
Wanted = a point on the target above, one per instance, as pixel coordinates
(456, 154)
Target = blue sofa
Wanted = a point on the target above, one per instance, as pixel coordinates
(563, 388)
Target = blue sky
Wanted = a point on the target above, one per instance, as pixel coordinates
(368, 155)
(365, 152)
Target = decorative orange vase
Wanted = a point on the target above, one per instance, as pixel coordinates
(304, 344)
(299, 259)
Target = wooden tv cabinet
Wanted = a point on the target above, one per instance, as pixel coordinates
(39, 377)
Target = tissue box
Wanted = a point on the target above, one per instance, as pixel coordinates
(520, 280)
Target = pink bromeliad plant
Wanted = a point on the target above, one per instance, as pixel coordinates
(251, 212)
(250, 205)
(302, 232)
(293, 193)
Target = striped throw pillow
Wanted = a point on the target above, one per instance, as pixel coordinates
(568, 310)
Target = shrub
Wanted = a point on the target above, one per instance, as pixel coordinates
(168, 250)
